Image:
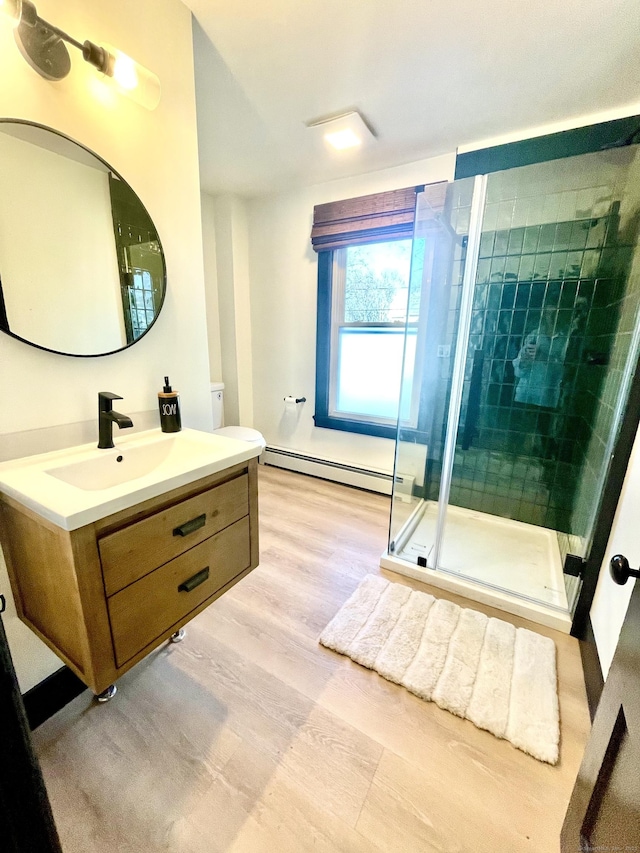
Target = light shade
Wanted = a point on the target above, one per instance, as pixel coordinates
(128, 76)
(134, 80)
(343, 131)
(11, 9)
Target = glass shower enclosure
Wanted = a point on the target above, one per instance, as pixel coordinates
(522, 338)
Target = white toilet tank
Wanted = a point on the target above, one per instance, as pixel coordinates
(237, 432)
(217, 404)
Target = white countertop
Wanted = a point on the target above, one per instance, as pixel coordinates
(79, 485)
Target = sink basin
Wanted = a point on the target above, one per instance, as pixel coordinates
(120, 465)
(75, 487)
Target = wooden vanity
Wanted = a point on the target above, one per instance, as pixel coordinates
(105, 595)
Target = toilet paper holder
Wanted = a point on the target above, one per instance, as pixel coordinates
(295, 399)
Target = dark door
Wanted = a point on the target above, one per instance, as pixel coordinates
(26, 822)
(604, 811)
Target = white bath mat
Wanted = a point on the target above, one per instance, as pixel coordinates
(501, 678)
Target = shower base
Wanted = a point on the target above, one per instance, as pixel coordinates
(507, 564)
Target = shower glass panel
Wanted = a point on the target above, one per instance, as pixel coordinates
(437, 269)
(552, 342)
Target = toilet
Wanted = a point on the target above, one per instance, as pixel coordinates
(237, 432)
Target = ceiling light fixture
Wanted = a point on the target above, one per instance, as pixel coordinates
(44, 48)
(344, 131)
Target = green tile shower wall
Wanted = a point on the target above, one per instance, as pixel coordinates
(599, 399)
(521, 271)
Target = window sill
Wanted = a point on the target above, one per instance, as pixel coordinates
(359, 427)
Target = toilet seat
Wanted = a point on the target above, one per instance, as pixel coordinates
(242, 434)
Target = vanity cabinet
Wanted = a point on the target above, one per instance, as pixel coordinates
(105, 595)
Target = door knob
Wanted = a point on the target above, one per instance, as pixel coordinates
(620, 571)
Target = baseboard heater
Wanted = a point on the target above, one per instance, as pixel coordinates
(327, 469)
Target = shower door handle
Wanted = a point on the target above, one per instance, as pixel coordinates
(620, 571)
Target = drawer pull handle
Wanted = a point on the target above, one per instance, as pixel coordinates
(196, 580)
(190, 526)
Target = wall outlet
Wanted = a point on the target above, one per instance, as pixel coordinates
(444, 350)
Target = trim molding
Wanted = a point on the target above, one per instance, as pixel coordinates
(51, 695)
(593, 678)
(551, 127)
(551, 146)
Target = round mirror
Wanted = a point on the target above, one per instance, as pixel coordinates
(82, 271)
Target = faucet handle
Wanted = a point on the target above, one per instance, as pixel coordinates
(108, 395)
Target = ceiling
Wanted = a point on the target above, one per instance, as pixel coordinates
(427, 75)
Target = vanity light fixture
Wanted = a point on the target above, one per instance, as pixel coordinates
(344, 131)
(43, 46)
(11, 9)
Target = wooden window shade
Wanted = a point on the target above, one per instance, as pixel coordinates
(371, 218)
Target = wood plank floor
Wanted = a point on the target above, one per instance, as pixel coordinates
(251, 737)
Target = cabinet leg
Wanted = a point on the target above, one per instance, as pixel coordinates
(179, 636)
(107, 694)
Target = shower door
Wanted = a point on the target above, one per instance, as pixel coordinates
(530, 372)
(441, 237)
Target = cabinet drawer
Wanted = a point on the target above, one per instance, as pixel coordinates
(147, 608)
(138, 549)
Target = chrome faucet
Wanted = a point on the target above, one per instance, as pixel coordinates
(107, 417)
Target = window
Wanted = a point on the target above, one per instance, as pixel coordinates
(369, 287)
(364, 267)
(141, 308)
(140, 260)
(141, 293)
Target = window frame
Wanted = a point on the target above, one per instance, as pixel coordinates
(331, 283)
(375, 218)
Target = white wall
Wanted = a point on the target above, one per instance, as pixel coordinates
(211, 285)
(611, 601)
(156, 152)
(232, 268)
(283, 274)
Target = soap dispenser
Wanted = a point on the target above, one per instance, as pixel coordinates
(169, 405)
